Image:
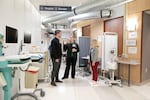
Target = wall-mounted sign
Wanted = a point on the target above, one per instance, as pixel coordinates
(55, 8)
(132, 35)
(132, 50)
(131, 42)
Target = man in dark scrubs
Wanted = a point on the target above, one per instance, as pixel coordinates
(72, 49)
(56, 54)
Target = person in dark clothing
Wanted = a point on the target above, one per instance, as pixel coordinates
(56, 53)
(72, 49)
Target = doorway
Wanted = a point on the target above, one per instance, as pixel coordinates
(145, 46)
(86, 30)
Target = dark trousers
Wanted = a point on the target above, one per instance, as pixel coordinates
(55, 70)
(70, 62)
(95, 71)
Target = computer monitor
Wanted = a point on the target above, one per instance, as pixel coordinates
(11, 35)
(27, 37)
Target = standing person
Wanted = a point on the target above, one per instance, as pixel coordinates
(94, 60)
(56, 54)
(72, 49)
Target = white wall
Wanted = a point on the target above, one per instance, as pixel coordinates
(21, 15)
(47, 39)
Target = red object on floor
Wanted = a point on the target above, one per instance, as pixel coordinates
(95, 71)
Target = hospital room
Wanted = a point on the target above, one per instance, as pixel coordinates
(74, 49)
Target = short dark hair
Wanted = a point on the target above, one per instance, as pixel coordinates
(57, 32)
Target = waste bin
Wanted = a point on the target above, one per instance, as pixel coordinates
(31, 77)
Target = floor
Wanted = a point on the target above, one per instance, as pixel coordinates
(83, 88)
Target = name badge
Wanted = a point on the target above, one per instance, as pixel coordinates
(73, 45)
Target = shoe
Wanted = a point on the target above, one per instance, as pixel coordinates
(53, 84)
(63, 78)
(73, 77)
(59, 81)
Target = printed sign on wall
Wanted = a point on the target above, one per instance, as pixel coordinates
(132, 35)
(55, 8)
(131, 42)
(132, 50)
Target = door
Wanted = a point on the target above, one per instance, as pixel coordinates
(116, 25)
(146, 47)
(86, 30)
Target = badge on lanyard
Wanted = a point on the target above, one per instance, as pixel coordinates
(73, 45)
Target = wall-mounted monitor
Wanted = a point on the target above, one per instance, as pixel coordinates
(27, 37)
(105, 13)
(11, 35)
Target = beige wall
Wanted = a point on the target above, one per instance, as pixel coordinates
(134, 11)
(138, 6)
(138, 17)
(96, 29)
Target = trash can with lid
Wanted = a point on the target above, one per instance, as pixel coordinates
(31, 77)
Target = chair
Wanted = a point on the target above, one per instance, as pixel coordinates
(83, 68)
